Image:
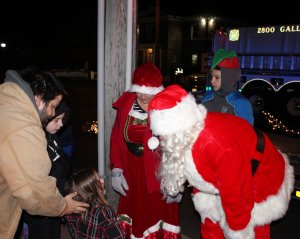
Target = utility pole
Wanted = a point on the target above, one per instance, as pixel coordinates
(157, 33)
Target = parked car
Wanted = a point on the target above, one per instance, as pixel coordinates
(196, 84)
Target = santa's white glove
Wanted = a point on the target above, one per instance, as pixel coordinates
(118, 181)
(177, 198)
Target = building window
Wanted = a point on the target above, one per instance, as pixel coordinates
(202, 28)
(194, 59)
(198, 32)
(140, 57)
(146, 33)
(151, 32)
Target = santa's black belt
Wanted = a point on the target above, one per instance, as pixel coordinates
(260, 147)
(136, 149)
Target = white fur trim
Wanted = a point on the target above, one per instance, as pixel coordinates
(275, 206)
(194, 178)
(246, 233)
(155, 228)
(178, 118)
(150, 230)
(170, 227)
(146, 89)
(208, 206)
(153, 143)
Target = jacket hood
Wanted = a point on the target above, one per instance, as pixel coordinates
(229, 79)
(18, 108)
(63, 108)
(15, 77)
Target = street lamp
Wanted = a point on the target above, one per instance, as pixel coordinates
(203, 21)
(207, 24)
(3, 44)
(211, 22)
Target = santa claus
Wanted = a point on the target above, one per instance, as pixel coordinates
(241, 181)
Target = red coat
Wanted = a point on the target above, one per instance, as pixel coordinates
(219, 168)
(118, 148)
(143, 204)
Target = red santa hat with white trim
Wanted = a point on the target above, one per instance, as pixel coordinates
(172, 111)
(147, 79)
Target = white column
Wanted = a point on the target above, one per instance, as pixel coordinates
(100, 86)
(129, 44)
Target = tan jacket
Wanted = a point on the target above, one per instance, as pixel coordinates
(24, 162)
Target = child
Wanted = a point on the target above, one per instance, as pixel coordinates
(49, 227)
(99, 221)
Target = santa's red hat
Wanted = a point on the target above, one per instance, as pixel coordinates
(147, 79)
(174, 110)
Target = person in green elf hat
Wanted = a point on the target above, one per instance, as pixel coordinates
(224, 97)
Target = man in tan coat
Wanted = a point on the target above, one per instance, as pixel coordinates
(26, 103)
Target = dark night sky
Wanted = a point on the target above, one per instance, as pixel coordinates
(48, 31)
(247, 12)
(57, 29)
(55, 16)
(50, 18)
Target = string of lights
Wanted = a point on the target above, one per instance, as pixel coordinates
(94, 127)
(276, 124)
(90, 127)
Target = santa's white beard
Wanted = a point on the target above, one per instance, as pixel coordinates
(171, 169)
(174, 149)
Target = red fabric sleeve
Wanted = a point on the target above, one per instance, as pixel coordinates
(151, 163)
(234, 181)
(117, 141)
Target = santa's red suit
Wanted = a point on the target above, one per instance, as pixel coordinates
(234, 202)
